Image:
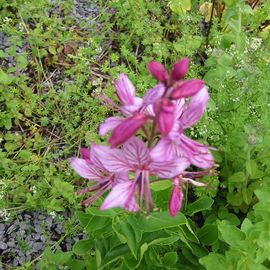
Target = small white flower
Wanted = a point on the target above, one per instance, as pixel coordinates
(4, 215)
(33, 189)
(7, 20)
(53, 214)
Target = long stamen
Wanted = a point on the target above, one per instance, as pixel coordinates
(99, 193)
(147, 183)
(113, 105)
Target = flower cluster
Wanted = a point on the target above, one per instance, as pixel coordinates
(148, 142)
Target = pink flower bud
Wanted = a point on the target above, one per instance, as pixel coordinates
(127, 129)
(166, 116)
(176, 200)
(187, 89)
(180, 69)
(158, 71)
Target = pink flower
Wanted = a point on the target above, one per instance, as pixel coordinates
(134, 110)
(176, 144)
(176, 199)
(135, 157)
(91, 167)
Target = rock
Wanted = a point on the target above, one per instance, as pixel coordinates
(38, 246)
(3, 246)
(11, 243)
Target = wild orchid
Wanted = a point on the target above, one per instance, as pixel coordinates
(160, 151)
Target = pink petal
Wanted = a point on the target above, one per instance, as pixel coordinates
(136, 153)
(154, 94)
(197, 153)
(187, 89)
(166, 116)
(176, 199)
(164, 150)
(179, 107)
(180, 69)
(85, 169)
(125, 90)
(158, 71)
(137, 104)
(169, 168)
(122, 195)
(111, 159)
(149, 110)
(109, 124)
(195, 109)
(85, 152)
(127, 129)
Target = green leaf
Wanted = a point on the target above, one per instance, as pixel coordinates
(92, 223)
(201, 204)
(214, 261)
(253, 170)
(126, 234)
(114, 254)
(180, 7)
(5, 78)
(238, 177)
(95, 211)
(22, 61)
(25, 154)
(231, 234)
(161, 185)
(170, 258)
(208, 234)
(82, 247)
(160, 220)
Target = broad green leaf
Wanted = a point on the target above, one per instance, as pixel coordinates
(208, 234)
(238, 177)
(253, 170)
(160, 220)
(95, 211)
(92, 223)
(231, 234)
(161, 185)
(170, 258)
(201, 204)
(180, 7)
(214, 261)
(82, 247)
(164, 241)
(114, 254)
(126, 234)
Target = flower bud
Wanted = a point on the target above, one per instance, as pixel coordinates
(127, 129)
(158, 71)
(180, 69)
(187, 89)
(176, 201)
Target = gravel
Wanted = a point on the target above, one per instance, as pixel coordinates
(26, 237)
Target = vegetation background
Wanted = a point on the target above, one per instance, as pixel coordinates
(56, 57)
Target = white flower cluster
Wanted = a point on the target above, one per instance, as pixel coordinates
(4, 215)
(255, 43)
